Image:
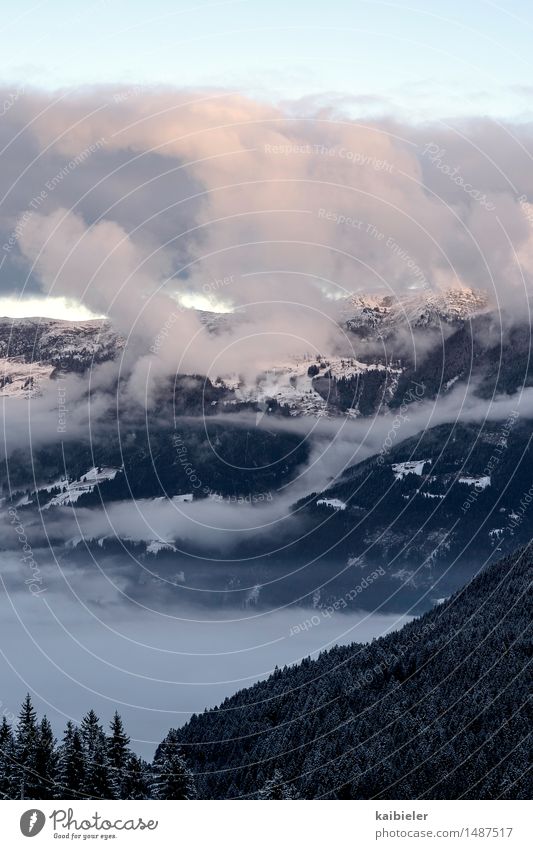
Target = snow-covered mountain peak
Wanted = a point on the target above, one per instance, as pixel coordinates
(419, 309)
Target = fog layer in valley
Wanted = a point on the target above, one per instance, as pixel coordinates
(85, 645)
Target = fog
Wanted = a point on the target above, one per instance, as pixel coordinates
(206, 524)
(83, 645)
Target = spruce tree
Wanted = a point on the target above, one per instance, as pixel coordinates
(25, 751)
(119, 754)
(6, 759)
(276, 788)
(45, 761)
(71, 764)
(97, 782)
(171, 778)
(135, 784)
(90, 731)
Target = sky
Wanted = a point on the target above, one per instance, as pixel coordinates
(423, 57)
(423, 64)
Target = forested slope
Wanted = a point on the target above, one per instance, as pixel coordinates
(440, 709)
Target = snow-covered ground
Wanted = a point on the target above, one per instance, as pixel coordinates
(55, 341)
(288, 384)
(31, 349)
(335, 503)
(421, 308)
(480, 482)
(72, 490)
(410, 467)
(21, 379)
(291, 384)
(157, 545)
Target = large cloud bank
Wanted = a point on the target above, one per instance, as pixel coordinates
(132, 200)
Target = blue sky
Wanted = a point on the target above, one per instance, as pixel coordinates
(426, 59)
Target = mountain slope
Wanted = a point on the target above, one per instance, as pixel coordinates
(428, 513)
(440, 709)
(382, 346)
(424, 308)
(430, 510)
(35, 349)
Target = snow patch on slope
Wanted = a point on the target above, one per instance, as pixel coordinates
(410, 467)
(481, 482)
(335, 503)
(73, 490)
(291, 383)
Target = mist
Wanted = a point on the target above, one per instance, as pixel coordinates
(157, 199)
(87, 646)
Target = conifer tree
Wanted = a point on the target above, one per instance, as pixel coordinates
(171, 778)
(276, 788)
(45, 761)
(25, 750)
(6, 759)
(119, 754)
(90, 731)
(97, 782)
(233, 791)
(71, 764)
(135, 784)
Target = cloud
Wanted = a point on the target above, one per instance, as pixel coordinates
(217, 525)
(171, 191)
(130, 201)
